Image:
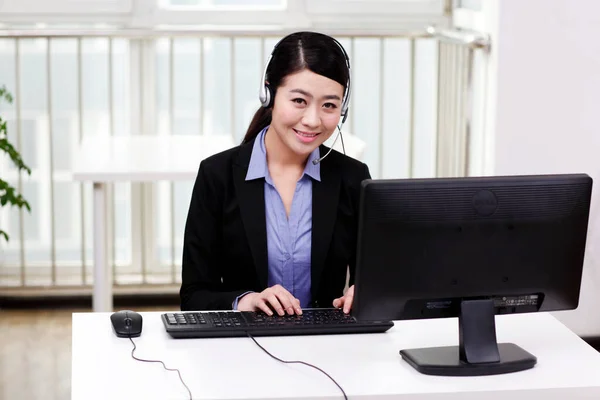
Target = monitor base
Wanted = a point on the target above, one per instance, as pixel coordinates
(478, 352)
(445, 361)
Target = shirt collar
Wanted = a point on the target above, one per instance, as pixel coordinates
(257, 168)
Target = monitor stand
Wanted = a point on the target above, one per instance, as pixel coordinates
(478, 352)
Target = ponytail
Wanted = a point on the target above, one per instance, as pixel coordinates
(261, 120)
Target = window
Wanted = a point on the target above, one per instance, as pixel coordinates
(225, 4)
(474, 5)
(64, 7)
(381, 7)
(387, 16)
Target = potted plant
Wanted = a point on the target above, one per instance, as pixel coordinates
(8, 194)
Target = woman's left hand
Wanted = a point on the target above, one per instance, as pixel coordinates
(345, 301)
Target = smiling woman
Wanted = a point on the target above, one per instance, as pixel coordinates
(270, 227)
(310, 60)
(305, 115)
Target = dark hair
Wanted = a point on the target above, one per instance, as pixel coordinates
(313, 51)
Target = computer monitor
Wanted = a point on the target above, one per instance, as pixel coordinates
(470, 248)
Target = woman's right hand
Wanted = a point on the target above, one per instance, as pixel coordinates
(277, 297)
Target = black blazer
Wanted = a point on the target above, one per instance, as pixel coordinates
(225, 246)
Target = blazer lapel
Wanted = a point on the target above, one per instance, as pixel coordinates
(324, 211)
(251, 195)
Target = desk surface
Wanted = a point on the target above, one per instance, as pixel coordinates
(366, 366)
(144, 158)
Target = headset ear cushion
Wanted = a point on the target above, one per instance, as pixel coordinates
(269, 99)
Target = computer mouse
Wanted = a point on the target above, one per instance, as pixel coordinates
(126, 323)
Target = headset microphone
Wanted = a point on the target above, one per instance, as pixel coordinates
(318, 160)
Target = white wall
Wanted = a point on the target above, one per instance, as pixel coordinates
(544, 109)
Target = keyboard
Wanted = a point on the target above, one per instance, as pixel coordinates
(328, 321)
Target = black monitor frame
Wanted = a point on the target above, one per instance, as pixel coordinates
(470, 248)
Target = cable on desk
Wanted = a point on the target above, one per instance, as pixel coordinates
(298, 362)
(163, 364)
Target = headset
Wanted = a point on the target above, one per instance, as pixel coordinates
(266, 95)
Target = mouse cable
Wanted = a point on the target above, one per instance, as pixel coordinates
(298, 362)
(163, 364)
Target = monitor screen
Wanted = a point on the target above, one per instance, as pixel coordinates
(470, 248)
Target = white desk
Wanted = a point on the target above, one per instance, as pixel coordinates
(104, 159)
(366, 366)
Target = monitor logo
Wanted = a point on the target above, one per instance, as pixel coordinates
(485, 202)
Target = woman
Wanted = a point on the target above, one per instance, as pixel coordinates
(270, 227)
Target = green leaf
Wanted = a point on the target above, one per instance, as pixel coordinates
(5, 94)
(8, 194)
(14, 155)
